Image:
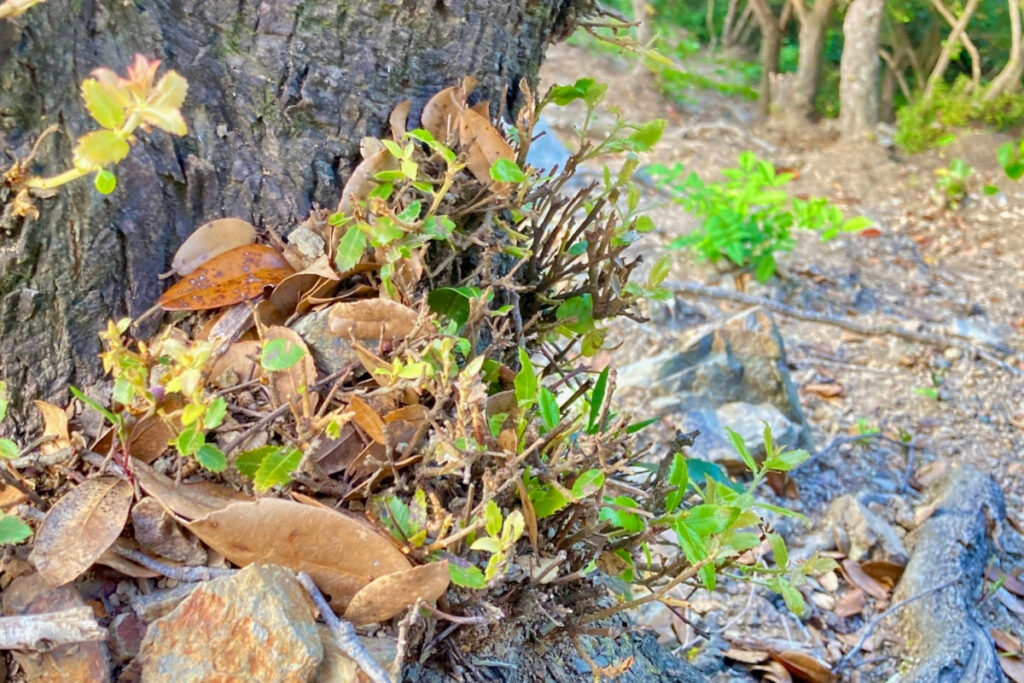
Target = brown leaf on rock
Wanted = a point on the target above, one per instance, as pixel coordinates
(79, 527)
(341, 553)
(293, 383)
(240, 363)
(368, 420)
(805, 667)
(189, 501)
(211, 239)
(392, 594)
(372, 319)
(773, 672)
(443, 111)
(825, 390)
(857, 577)
(1013, 667)
(1007, 642)
(850, 604)
(229, 278)
(886, 573)
(55, 425)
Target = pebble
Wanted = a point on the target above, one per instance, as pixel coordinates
(953, 353)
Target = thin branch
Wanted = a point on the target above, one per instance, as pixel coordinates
(876, 330)
(877, 620)
(42, 632)
(188, 574)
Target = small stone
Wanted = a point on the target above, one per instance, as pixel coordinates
(824, 601)
(953, 353)
(254, 625)
(829, 581)
(126, 634)
(861, 533)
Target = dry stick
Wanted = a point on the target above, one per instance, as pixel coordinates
(189, 574)
(878, 330)
(877, 620)
(41, 632)
(344, 633)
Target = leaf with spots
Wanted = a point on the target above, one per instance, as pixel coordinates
(234, 276)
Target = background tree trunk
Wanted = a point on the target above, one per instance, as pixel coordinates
(771, 45)
(858, 68)
(1008, 79)
(813, 22)
(280, 92)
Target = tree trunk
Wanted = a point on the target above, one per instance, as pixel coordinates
(813, 22)
(858, 68)
(771, 45)
(957, 35)
(280, 92)
(1008, 79)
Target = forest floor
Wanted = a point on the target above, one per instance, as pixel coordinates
(925, 267)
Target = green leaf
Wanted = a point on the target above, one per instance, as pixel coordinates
(545, 498)
(189, 441)
(124, 392)
(818, 564)
(8, 449)
(164, 104)
(488, 544)
(453, 302)
(596, 401)
(248, 463)
(637, 426)
(492, 518)
(506, 171)
(678, 476)
(104, 108)
(438, 227)
(13, 530)
(4, 402)
(778, 545)
(467, 577)
(789, 460)
(350, 249)
(793, 598)
(586, 89)
(280, 354)
(105, 182)
(856, 224)
(577, 313)
(411, 213)
(622, 519)
(740, 446)
(111, 417)
(588, 483)
(646, 135)
(695, 550)
(781, 511)
(525, 381)
(765, 268)
(191, 413)
(215, 413)
(659, 271)
(548, 409)
(100, 148)
(276, 469)
(211, 458)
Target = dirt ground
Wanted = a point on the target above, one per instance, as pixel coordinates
(926, 267)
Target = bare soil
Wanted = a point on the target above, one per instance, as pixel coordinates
(926, 267)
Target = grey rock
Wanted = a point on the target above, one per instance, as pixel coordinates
(862, 534)
(331, 353)
(255, 625)
(746, 419)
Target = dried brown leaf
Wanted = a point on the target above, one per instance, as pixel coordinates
(79, 527)
(392, 594)
(850, 604)
(293, 383)
(484, 145)
(189, 501)
(443, 111)
(229, 278)
(211, 239)
(368, 420)
(1007, 642)
(240, 363)
(773, 672)
(825, 390)
(805, 667)
(1013, 667)
(372, 319)
(55, 424)
(399, 119)
(886, 573)
(315, 278)
(149, 438)
(857, 577)
(341, 553)
(746, 656)
(363, 179)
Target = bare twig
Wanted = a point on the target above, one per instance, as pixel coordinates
(877, 620)
(189, 574)
(877, 330)
(345, 634)
(41, 632)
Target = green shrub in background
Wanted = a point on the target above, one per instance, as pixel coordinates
(932, 122)
(748, 218)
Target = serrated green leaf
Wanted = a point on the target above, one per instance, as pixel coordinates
(100, 148)
(8, 449)
(545, 499)
(466, 577)
(280, 354)
(211, 458)
(276, 469)
(163, 107)
(189, 441)
(191, 413)
(104, 108)
(215, 413)
(13, 530)
(248, 463)
(350, 249)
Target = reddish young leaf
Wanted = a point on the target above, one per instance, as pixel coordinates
(229, 278)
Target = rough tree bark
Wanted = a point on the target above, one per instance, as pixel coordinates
(1008, 79)
(858, 68)
(957, 35)
(280, 92)
(771, 46)
(813, 22)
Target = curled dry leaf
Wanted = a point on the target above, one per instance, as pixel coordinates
(149, 438)
(390, 595)
(55, 425)
(188, 501)
(484, 145)
(81, 525)
(368, 420)
(825, 390)
(318, 279)
(805, 667)
(240, 363)
(372, 319)
(229, 278)
(293, 383)
(1013, 667)
(886, 573)
(773, 672)
(341, 553)
(857, 577)
(399, 119)
(1007, 642)
(443, 111)
(211, 239)
(850, 604)
(363, 179)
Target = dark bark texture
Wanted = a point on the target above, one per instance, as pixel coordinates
(280, 92)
